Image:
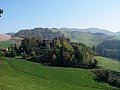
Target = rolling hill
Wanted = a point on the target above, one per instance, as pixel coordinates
(76, 35)
(5, 40)
(6, 44)
(108, 63)
(87, 38)
(41, 32)
(91, 30)
(4, 37)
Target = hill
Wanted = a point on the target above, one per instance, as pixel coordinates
(109, 48)
(4, 37)
(75, 35)
(91, 30)
(41, 32)
(87, 38)
(18, 74)
(108, 63)
(11, 33)
(5, 44)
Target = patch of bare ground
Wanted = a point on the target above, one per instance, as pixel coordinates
(4, 37)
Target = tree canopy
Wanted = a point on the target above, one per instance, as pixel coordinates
(57, 52)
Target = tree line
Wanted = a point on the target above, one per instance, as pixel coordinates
(56, 52)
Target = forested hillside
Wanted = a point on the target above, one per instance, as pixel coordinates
(110, 49)
(38, 32)
(88, 38)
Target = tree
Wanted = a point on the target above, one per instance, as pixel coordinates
(57, 44)
(1, 55)
(67, 47)
(1, 12)
(24, 55)
(84, 55)
(13, 53)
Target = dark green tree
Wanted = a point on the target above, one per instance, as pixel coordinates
(13, 53)
(1, 55)
(24, 55)
(1, 12)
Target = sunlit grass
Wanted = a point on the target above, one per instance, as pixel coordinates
(20, 74)
(108, 63)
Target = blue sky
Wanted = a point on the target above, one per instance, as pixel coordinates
(25, 14)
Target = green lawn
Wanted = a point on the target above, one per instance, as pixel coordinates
(5, 44)
(24, 75)
(108, 63)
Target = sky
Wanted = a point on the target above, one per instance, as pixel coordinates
(27, 14)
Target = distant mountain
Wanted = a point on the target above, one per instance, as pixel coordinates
(118, 33)
(10, 33)
(90, 30)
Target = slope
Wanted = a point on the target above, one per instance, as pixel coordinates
(87, 38)
(5, 44)
(24, 75)
(108, 63)
(4, 37)
(76, 36)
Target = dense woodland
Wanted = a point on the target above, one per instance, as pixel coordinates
(110, 49)
(57, 52)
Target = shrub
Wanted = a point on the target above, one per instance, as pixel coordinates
(13, 54)
(109, 76)
(24, 55)
(1, 55)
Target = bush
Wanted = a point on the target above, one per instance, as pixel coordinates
(109, 76)
(1, 55)
(11, 54)
(24, 55)
(116, 82)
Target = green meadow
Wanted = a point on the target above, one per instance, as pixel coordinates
(18, 74)
(5, 44)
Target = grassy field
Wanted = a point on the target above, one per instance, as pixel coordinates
(87, 38)
(108, 63)
(5, 44)
(18, 74)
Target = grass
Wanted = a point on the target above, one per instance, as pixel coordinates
(5, 44)
(18, 74)
(108, 63)
(87, 38)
